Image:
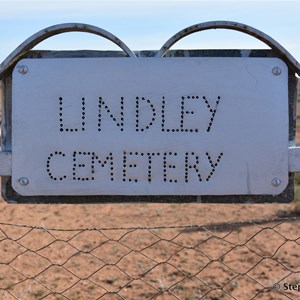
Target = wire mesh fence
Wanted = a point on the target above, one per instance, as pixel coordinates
(237, 260)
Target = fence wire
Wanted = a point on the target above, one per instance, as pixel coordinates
(242, 260)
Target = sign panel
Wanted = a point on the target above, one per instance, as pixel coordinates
(150, 126)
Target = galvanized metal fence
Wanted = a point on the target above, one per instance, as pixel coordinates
(244, 260)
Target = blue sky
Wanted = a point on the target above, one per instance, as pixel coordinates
(148, 24)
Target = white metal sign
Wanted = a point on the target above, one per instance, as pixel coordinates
(150, 126)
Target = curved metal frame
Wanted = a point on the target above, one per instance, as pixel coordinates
(42, 35)
(232, 26)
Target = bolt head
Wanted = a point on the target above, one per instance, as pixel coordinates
(276, 182)
(23, 181)
(276, 71)
(23, 70)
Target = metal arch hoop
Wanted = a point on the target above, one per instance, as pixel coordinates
(42, 35)
(233, 26)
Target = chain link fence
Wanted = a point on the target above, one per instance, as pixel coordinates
(243, 260)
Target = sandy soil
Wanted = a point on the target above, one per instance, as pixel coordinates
(208, 262)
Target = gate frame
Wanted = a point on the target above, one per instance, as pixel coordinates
(24, 51)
